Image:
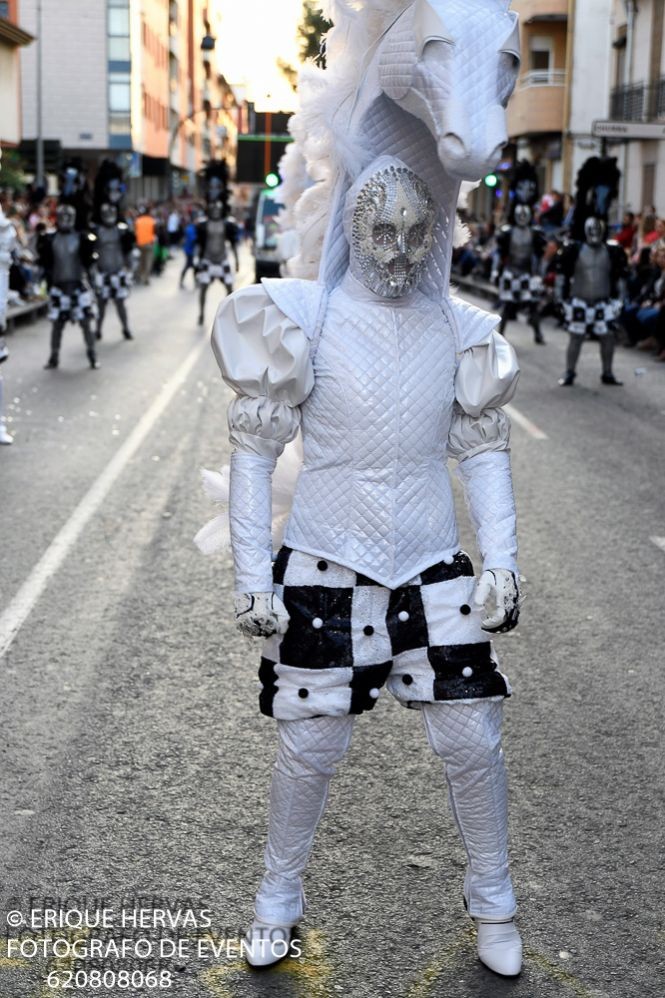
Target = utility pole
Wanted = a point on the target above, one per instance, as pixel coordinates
(39, 172)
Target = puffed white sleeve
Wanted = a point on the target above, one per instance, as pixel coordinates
(479, 440)
(265, 358)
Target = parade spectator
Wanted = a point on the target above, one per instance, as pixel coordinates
(189, 247)
(173, 227)
(145, 231)
(643, 318)
(551, 218)
(626, 234)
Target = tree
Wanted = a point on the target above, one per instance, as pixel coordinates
(311, 30)
(12, 176)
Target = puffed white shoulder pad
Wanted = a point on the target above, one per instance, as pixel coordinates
(261, 350)
(302, 301)
(472, 325)
(486, 375)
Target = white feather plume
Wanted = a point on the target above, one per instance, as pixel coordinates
(215, 535)
(320, 127)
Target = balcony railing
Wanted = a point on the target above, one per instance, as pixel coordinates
(543, 78)
(638, 102)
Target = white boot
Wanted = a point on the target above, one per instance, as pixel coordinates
(265, 945)
(500, 947)
(309, 750)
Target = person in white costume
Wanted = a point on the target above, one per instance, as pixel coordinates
(8, 241)
(370, 588)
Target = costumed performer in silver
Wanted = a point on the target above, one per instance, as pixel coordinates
(371, 589)
(213, 261)
(66, 257)
(592, 270)
(8, 242)
(115, 242)
(519, 254)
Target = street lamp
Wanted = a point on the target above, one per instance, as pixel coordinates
(39, 170)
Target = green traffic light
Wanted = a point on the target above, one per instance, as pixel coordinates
(272, 180)
(491, 180)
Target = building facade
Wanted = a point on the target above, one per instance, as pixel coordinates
(563, 85)
(12, 39)
(127, 78)
(637, 98)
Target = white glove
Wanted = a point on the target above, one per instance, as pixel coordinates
(258, 615)
(498, 595)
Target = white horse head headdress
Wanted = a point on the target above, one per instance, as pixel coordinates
(424, 80)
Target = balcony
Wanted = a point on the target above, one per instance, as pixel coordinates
(638, 102)
(543, 78)
(537, 106)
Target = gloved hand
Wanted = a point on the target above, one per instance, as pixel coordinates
(498, 594)
(258, 615)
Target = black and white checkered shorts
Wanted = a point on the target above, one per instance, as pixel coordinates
(73, 307)
(519, 288)
(115, 286)
(348, 636)
(207, 272)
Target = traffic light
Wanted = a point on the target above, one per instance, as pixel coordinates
(272, 180)
(491, 180)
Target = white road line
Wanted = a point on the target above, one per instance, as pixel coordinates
(659, 542)
(22, 605)
(526, 424)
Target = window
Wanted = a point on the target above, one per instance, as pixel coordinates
(118, 30)
(4, 8)
(119, 92)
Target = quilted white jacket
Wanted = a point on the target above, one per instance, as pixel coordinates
(384, 393)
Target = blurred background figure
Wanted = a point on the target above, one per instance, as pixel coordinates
(145, 234)
(114, 244)
(8, 242)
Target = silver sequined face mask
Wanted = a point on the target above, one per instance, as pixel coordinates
(65, 217)
(391, 231)
(108, 214)
(522, 215)
(594, 230)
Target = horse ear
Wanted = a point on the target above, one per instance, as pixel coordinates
(398, 56)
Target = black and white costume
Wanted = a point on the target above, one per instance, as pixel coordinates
(212, 262)
(371, 589)
(519, 254)
(592, 270)
(7, 246)
(113, 273)
(115, 242)
(66, 257)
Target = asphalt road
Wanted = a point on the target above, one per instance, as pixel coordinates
(135, 763)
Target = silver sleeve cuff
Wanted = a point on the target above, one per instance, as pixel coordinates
(262, 425)
(472, 435)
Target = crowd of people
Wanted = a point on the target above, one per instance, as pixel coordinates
(641, 322)
(48, 257)
(158, 229)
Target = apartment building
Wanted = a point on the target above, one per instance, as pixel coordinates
(636, 101)
(12, 39)
(127, 78)
(562, 87)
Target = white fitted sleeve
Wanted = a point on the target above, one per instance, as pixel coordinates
(479, 440)
(265, 358)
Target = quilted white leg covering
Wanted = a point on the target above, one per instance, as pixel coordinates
(309, 750)
(467, 736)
